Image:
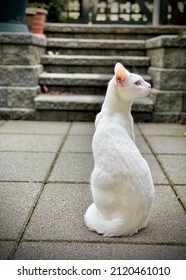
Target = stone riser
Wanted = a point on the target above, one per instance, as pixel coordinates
(93, 64)
(96, 47)
(91, 69)
(91, 84)
(47, 115)
(96, 51)
(83, 108)
(107, 31)
(98, 36)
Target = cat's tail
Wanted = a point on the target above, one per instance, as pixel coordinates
(94, 222)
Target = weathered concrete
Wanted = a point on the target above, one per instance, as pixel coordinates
(109, 31)
(49, 215)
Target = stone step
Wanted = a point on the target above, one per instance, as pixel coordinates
(93, 64)
(70, 46)
(76, 83)
(109, 31)
(83, 107)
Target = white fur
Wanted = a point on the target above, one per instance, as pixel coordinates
(121, 182)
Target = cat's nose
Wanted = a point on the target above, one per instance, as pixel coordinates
(149, 85)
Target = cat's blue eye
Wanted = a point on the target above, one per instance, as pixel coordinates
(138, 83)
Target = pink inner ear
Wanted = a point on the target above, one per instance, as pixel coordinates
(121, 74)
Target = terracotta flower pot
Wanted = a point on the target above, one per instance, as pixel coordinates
(39, 21)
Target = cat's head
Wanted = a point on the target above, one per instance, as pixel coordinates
(129, 85)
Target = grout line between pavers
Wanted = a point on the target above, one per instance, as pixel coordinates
(2, 123)
(162, 168)
(106, 242)
(20, 237)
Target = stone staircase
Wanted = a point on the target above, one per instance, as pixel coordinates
(78, 66)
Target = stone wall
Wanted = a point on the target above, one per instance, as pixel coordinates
(20, 67)
(168, 72)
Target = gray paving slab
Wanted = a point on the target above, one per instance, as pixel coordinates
(30, 143)
(88, 128)
(157, 174)
(72, 167)
(81, 128)
(15, 166)
(167, 145)
(136, 130)
(97, 251)
(175, 166)
(2, 122)
(5, 248)
(59, 216)
(17, 200)
(181, 192)
(163, 129)
(78, 143)
(142, 146)
(33, 127)
(83, 143)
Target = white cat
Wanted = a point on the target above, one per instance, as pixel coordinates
(121, 182)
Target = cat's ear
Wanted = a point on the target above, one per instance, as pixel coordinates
(121, 73)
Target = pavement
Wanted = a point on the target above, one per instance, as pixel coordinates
(44, 192)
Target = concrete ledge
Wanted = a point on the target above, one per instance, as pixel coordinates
(167, 100)
(166, 79)
(165, 117)
(168, 57)
(109, 30)
(79, 79)
(22, 76)
(23, 39)
(96, 43)
(167, 41)
(85, 102)
(18, 97)
(84, 60)
(69, 102)
(17, 114)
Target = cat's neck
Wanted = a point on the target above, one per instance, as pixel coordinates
(114, 107)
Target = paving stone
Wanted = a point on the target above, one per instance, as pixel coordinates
(167, 145)
(97, 251)
(80, 128)
(32, 127)
(30, 143)
(157, 174)
(16, 166)
(59, 216)
(162, 129)
(78, 143)
(175, 166)
(181, 192)
(72, 167)
(1, 123)
(142, 146)
(136, 130)
(17, 200)
(5, 249)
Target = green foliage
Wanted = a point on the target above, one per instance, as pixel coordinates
(55, 10)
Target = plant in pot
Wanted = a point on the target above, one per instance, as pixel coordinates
(36, 13)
